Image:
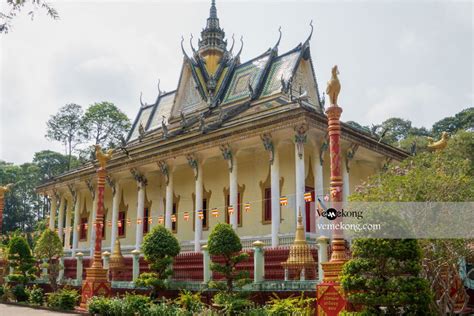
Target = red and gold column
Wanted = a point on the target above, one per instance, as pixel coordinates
(96, 282)
(330, 298)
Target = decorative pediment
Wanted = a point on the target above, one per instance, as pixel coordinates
(304, 83)
(188, 98)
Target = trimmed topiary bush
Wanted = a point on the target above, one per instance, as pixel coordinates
(50, 248)
(20, 258)
(159, 247)
(223, 241)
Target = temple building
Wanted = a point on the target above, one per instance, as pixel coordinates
(243, 142)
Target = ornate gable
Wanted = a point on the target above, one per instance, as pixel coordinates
(188, 98)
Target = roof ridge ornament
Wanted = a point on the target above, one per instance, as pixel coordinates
(182, 48)
(232, 47)
(310, 34)
(141, 101)
(241, 46)
(160, 92)
(275, 47)
(191, 43)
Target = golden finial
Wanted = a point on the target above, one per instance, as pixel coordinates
(6, 188)
(440, 144)
(334, 86)
(102, 157)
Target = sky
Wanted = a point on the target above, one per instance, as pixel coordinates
(408, 59)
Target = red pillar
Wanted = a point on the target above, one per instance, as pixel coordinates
(96, 282)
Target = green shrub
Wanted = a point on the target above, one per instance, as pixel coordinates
(20, 259)
(6, 293)
(190, 302)
(63, 299)
(136, 304)
(99, 305)
(35, 295)
(159, 247)
(291, 306)
(232, 303)
(19, 292)
(50, 248)
(164, 308)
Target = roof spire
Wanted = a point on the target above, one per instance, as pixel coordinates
(212, 37)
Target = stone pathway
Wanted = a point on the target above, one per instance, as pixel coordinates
(12, 310)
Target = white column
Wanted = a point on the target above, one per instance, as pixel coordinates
(198, 203)
(318, 176)
(92, 225)
(67, 230)
(275, 188)
(140, 210)
(345, 180)
(300, 185)
(169, 201)
(115, 211)
(75, 232)
(61, 217)
(233, 195)
(52, 212)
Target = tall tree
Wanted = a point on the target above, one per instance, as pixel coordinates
(52, 163)
(65, 127)
(446, 176)
(104, 124)
(463, 120)
(15, 7)
(395, 129)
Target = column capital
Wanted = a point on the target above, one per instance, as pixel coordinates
(269, 145)
(139, 177)
(90, 187)
(227, 155)
(323, 148)
(194, 164)
(112, 184)
(165, 170)
(73, 191)
(351, 152)
(301, 138)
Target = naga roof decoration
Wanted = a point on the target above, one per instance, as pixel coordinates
(215, 87)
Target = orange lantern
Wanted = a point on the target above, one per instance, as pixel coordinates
(161, 219)
(308, 197)
(230, 209)
(109, 223)
(150, 220)
(129, 222)
(215, 212)
(247, 207)
(200, 214)
(186, 216)
(173, 218)
(119, 224)
(139, 221)
(283, 201)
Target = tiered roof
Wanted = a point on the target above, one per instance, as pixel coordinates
(214, 86)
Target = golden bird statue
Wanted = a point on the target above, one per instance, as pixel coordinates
(440, 144)
(102, 157)
(334, 86)
(5, 188)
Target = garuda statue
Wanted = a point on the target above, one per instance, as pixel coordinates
(334, 86)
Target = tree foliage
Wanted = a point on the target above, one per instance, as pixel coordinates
(50, 248)
(104, 124)
(385, 274)
(159, 247)
(463, 120)
(65, 127)
(446, 176)
(20, 258)
(15, 7)
(224, 242)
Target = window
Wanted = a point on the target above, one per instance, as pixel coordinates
(267, 212)
(239, 212)
(174, 225)
(121, 225)
(146, 214)
(83, 229)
